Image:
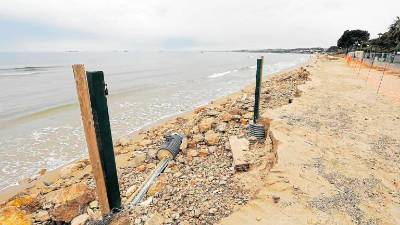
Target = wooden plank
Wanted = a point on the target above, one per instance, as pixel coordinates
(239, 146)
(103, 133)
(90, 134)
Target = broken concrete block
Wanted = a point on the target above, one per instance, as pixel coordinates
(239, 146)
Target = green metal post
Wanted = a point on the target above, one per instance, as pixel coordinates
(258, 89)
(101, 121)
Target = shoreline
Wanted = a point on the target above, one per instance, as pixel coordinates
(10, 191)
(326, 144)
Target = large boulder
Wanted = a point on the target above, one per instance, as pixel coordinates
(69, 202)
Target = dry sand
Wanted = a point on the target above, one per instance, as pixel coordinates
(339, 153)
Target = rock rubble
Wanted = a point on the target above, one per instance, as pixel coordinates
(200, 187)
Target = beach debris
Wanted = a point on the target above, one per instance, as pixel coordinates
(69, 202)
(206, 124)
(212, 138)
(238, 147)
(257, 130)
(276, 198)
(168, 151)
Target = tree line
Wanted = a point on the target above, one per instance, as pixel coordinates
(388, 41)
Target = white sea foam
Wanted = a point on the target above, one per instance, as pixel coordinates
(215, 75)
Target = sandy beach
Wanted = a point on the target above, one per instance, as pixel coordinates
(330, 157)
(338, 153)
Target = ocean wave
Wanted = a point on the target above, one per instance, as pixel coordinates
(221, 74)
(18, 74)
(28, 68)
(25, 71)
(215, 75)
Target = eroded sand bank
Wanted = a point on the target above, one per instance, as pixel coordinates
(339, 153)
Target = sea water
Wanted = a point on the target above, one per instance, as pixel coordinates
(40, 123)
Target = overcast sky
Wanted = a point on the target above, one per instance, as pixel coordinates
(58, 25)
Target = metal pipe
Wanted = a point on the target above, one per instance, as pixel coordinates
(150, 180)
(256, 114)
(168, 151)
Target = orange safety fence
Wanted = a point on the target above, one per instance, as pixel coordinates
(349, 59)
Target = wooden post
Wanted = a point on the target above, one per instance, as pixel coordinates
(94, 111)
(257, 93)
